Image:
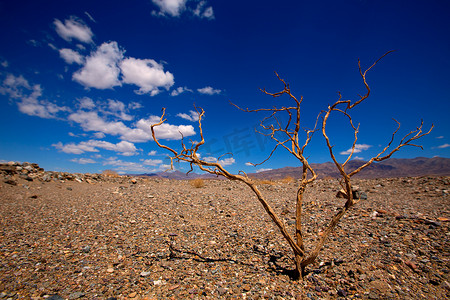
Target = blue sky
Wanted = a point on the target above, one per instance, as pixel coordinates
(81, 81)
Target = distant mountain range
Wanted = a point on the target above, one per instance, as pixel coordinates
(393, 167)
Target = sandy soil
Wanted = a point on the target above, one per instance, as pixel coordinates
(163, 239)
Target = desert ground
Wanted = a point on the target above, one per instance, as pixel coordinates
(66, 236)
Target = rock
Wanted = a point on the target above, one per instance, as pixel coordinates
(412, 265)
(46, 178)
(76, 295)
(145, 274)
(342, 293)
(11, 182)
(55, 297)
(381, 286)
(221, 291)
(132, 295)
(86, 249)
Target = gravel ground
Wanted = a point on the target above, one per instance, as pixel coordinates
(165, 239)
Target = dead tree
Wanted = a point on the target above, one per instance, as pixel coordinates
(288, 137)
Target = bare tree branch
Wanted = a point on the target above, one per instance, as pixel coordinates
(287, 136)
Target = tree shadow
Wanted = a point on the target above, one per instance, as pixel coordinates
(277, 262)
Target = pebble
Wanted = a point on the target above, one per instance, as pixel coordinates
(92, 241)
(76, 295)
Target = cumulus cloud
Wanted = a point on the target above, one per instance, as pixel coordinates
(227, 161)
(152, 153)
(358, 149)
(127, 166)
(118, 109)
(170, 7)
(444, 146)
(70, 56)
(92, 121)
(209, 91)
(134, 105)
(174, 8)
(124, 148)
(147, 74)
(358, 158)
(180, 90)
(83, 161)
(142, 131)
(86, 103)
(152, 162)
(27, 96)
(204, 11)
(224, 162)
(193, 116)
(101, 68)
(99, 135)
(73, 28)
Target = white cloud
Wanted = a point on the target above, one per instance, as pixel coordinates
(28, 98)
(83, 161)
(223, 162)
(71, 56)
(180, 90)
(152, 162)
(99, 135)
(249, 164)
(73, 29)
(134, 105)
(209, 91)
(91, 121)
(125, 166)
(358, 158)
(147, 74)
(124, 148)
(263, 170)
(170, 7)
(86, 103)
(444, 146)
(4, 64)
(75, 149)
(90, 17)
(165, 131)
(175, 8)
(227, 161)
(101, 69)
(204, 12)
(440, 137)
(117, 108)
(193, 116)
(152, 153)
(358, 149)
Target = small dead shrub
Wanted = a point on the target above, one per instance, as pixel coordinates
(197, 183)
(288, 179)
(110, 173)
(264, 182)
